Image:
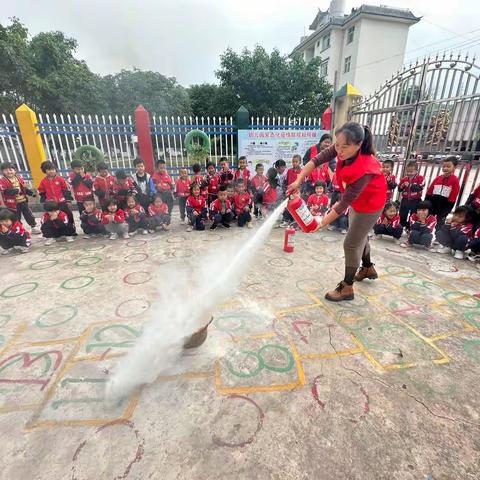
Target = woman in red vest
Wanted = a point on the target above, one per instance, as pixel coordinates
(364, 190)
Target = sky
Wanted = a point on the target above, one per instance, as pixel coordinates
(184, 38)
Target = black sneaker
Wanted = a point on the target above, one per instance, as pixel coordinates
(214, 226)
(226, 225)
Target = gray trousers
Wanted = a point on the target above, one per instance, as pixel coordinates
(356, 244)
(119, 228)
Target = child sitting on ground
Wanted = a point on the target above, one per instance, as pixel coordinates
(410, 188)
(473, 202)
(340, 223)
(53, 188)
(319, 174)
(136, 217)
(103, 184)
(474, 246)
(226, 175)
(456, 233)
(270, 195)
(14, 192)
(211, 180)
(243, 205)
(221, 210)
(114, 220)
(91, 219)
(164, 184)
(121, 188)
(318, 202)
(242, 172)
(159, 217)
(196, 209)
(422, 226)
(256, 188)
(81, 182)
(55, 224)
(387, 169)
(388, 223)
(182, 191)
(444, 190)
(12, 234)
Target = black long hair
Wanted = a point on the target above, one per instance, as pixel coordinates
(358, 134)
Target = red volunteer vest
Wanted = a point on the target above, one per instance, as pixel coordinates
(374, 194)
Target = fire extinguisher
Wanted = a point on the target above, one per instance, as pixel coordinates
(289, 241)
(302, 215)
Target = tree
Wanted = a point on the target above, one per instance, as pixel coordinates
(124, 91)
(210, 100)
(273, 84)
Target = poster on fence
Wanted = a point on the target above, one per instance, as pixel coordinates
(268, 146)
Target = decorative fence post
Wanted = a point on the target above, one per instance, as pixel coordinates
(142, 128)
(32, 142)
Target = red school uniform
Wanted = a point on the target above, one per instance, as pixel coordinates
(391, 185)
(88, 217)
(213, 183)
(82, 189)
(476, 198)
(182, 187)
(430, 222)
(153, 210)
(242, 201)
(54, 189)
(292, 175)
(242, 174)
(257, 182)
(218, 207)
(447, 187)
(198, 179)
(118, 217)
(393, 222)
(127, 184)
(320, 174)
(465, 228)
(62, 216)
(270, 195)
(103, 187)
(317, 202)
(17, 230)
(196, 203)
(226, 177)
(411, 188)
(163, 182)
(11, 200)
(134, 212)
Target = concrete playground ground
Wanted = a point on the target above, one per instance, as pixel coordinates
(287, 386)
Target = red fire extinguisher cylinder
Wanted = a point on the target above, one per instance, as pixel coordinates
(289, 241)
(302, 215)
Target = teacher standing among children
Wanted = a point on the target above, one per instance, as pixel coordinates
(364, 190)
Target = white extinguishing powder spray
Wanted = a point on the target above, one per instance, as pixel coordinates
(181, 311)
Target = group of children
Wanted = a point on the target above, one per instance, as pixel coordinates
(430, 223)
(123, 205)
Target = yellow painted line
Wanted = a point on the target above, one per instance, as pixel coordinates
(51, 342)
(330, 355)
(300, 308)
(97, 358)
(258, 336)
(366, 353)
(186, 376)
(14, 340)
(301, 373)
(91, 422)
(257, 389)
(399, 366)
(18, 408)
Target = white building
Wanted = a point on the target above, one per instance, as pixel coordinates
(364, 47)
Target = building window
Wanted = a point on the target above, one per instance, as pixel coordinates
(324, 68)
(350, 34)
(346, 67)
(325, 42)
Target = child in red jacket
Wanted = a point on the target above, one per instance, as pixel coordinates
(411, 190)
(81, 182)
(473, 201)
(388, 223)
(53, 188)
(387, 169)
(422, 226)
(182, 191)
(12, 234)
(121, 188)
(474, 246)
(455, 234)
(291, 176)
(158, 211)
(91, 219)
(221, 210)
(242, 173)
(14, 192)
(114, 220)
(136, 217)
(198, 179)
(444, 190)
(164, 184)
(55, 224)
(256, 188)
(243, 205)
(318, 202)
(103, 184)
(270, 192)
(212, 181)
(196, 209)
